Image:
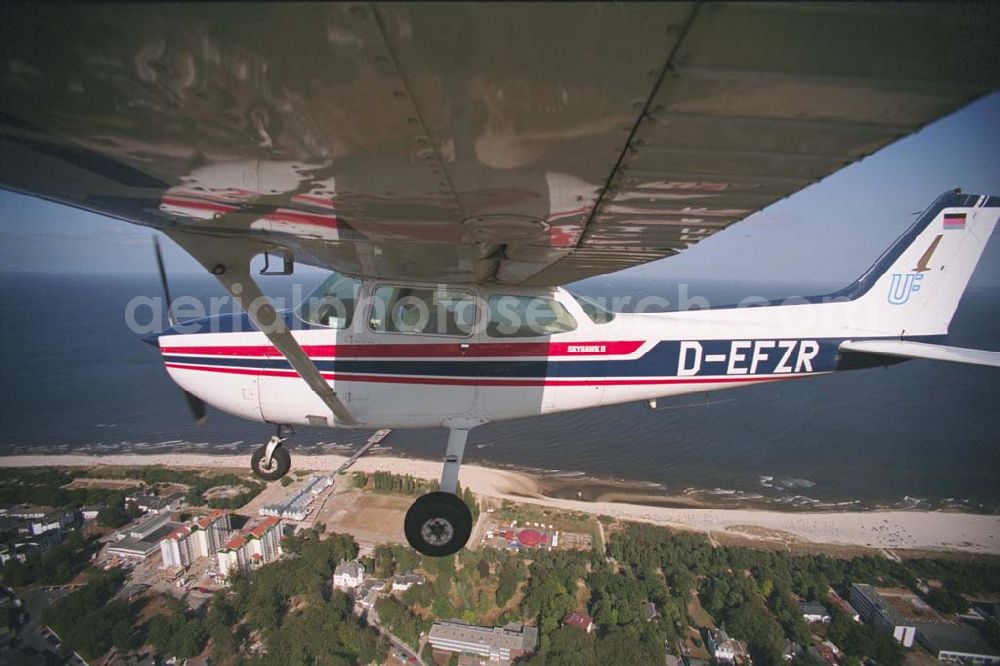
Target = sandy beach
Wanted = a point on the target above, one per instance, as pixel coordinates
(910, 530)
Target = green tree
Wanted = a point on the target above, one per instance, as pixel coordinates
(114, 514)
(401, 622)
(571, 647)
(93, 601)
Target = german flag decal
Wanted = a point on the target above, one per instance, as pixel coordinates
(954, 221)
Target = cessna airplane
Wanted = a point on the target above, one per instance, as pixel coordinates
(454, 164)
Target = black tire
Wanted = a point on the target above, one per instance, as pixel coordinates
(281, 462)
(438, 524)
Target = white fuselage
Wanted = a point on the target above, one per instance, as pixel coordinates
(397, 380)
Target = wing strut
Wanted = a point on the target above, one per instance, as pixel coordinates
(228, 259)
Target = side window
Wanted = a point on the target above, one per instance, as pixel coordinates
(419, 311)
(332, 303)
(527, 317)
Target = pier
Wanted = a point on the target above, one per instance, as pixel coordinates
(372, 441)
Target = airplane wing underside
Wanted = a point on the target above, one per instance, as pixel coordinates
(522, 144)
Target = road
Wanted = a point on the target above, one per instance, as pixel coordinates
(371, 617)
(35, 601)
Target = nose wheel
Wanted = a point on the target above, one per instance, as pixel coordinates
(272, 461)
(438, 524)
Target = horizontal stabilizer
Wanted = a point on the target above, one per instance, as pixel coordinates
(903, 349)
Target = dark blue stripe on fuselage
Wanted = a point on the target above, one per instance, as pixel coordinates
(716, 358)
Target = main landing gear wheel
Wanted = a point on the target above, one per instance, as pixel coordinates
(438, 524)
(278, 466)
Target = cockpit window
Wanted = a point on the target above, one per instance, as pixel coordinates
(421, 311)
(527, 317)
(593, 309)
(332, 303)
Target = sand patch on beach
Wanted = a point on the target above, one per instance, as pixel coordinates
(909, 530)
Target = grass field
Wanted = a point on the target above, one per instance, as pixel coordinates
(372, 517)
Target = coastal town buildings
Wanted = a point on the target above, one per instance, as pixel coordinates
(296, 506)
(889, 610)
(726, 651)
(826, 652)
(91, 511)
(202, 537)
(142, 540)
(814, 612)
(510, 535)
(252, 547)
(368, 592)
(348, 575)
(57, 519)
(580, 621)
(31, 530)
(956, 643)
(154, 504)
(835, 599)
(909, 619)
(20, 546)
(497, 644)
(403, 582)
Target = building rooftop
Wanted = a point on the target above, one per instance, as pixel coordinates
(26, 510)
(206, 521)
(255, 532)
(296, 502)
(955, 638)
(148, 525)
(507, 638)
(840, 602)
(408, 579)
(350, 568)
(179, 533)
(812, 608)
(132, 545)
(161, 533)
(899, 605)
(577, 620)
(263, 526)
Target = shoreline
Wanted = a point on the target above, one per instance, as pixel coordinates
(874, 529)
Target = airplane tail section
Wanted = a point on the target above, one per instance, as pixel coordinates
(914, 288)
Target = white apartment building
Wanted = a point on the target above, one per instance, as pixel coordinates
(252, 547)
(201, 538)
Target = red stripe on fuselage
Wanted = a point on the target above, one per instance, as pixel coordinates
(434, 350)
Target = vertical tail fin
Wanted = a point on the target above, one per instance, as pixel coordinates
(915, 286)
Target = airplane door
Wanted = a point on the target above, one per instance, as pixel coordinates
(323, 325)
(412, 361)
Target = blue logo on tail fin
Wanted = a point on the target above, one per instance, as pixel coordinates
(903, 284)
